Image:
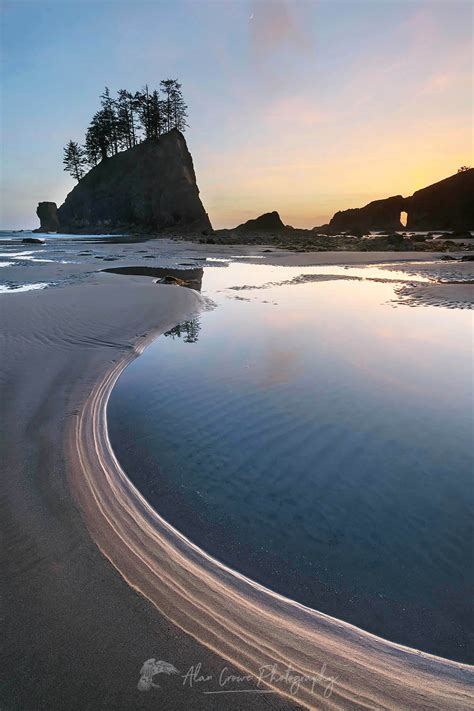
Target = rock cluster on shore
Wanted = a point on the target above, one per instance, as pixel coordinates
(269, 229)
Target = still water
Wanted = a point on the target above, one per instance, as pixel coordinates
(316, 436)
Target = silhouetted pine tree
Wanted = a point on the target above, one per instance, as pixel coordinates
(144, 111)
(98, 142)
(167, 87)
(109, 120)
(174, 107)
(92, 145)
(155, 115)
(125, 122)
(151, 113)
(74, 160)
(179, 109)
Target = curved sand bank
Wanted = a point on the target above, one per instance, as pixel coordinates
(243, 622)
(77, 635)
(74, 634)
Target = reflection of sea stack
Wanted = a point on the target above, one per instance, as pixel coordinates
(150, 187)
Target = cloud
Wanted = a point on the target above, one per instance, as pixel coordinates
(277, 25)
(421, 27)
(439, 82)
(454, 73)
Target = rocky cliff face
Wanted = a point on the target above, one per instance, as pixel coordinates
(377, 215)
(48, 215)
(151, 186)
(446, 205)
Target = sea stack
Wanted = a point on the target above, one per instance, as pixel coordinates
(150, 187)
(48, 215)
(268, 222)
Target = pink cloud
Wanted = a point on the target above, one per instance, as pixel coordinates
(274, 24)
(421, 27)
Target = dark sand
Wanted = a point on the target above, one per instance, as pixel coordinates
(76, 633)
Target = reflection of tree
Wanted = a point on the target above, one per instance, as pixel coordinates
(188, 331)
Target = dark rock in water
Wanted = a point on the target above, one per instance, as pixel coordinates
(446, 205)
(32, 240)
(448, 258)
(191, 278)
(269, 222)
(467, 258)
(151, 186)
(173, 281)
(48, 215)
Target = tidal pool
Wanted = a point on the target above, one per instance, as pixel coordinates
(316, 436)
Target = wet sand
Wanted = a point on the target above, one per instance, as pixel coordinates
(77, 632)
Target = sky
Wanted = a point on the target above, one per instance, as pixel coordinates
(301, 107)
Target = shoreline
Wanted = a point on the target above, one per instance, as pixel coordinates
(77, 635)
(195, 590)
(64, 349)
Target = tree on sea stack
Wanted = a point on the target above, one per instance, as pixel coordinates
(174, 108)
(109, 119)
(126, 120)
(94, 146)
(126, 105)
(180, 110)
(74, 160)
(155, 116)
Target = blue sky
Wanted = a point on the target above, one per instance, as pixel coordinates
(302, 107)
